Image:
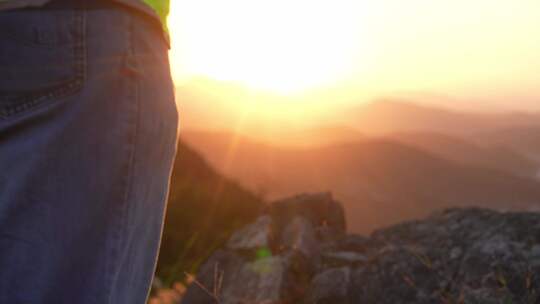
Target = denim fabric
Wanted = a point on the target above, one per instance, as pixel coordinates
(88, 129)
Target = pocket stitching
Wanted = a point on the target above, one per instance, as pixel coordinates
(36, 99)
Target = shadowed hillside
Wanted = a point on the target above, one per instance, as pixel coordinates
(204, 208)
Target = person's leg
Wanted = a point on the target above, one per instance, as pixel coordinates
(87, 139)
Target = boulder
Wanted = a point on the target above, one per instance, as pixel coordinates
(299, 235)
(330, 287)
(228, 279)
(320, 209)
(269, 261)
(259, 281)
(456, 256)
(219, 270)
(254, 236)
(343, 258)
(354, 242)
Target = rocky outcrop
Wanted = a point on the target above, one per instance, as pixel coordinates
(298, 252)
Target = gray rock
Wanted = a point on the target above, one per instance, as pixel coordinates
(343, 258)
(481, 256)
(354, 242)
(220, 269)
(299, 235)
(330, 287)
(534, 256)
(395, 275)
(454, 256)
(320, 209)
(254, 236)
(455, 253)
(229, 278)
(260, 281)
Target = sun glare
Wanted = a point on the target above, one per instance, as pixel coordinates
(359, 48)
(280, 45)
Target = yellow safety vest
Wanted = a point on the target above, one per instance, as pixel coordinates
(161, 7)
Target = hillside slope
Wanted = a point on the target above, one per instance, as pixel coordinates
(204, 208)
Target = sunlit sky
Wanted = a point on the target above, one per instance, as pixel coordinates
(485, 52)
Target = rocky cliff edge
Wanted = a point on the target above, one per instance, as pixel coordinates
(299, 252)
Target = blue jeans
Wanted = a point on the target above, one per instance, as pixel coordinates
(88, 130)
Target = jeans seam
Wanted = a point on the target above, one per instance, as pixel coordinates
(119, 238)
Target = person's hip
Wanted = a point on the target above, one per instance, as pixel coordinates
(88, 128)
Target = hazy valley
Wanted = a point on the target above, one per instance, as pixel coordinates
(423, 160)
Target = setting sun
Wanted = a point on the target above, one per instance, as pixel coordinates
(282, 45)
(361, 48)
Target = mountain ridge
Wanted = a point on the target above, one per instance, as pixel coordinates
(380, 181)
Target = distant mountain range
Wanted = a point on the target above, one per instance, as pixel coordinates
(494, 155)
(214, 105)
(394, 116)
(524, 139)
(380, 181)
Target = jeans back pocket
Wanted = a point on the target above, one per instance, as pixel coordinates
(41, 57)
